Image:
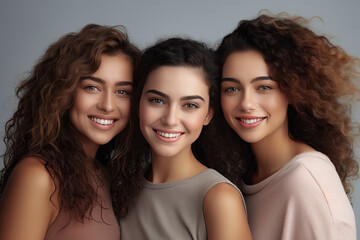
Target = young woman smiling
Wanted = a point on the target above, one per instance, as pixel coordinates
(181, 198)
(283, 92)
(66, 143)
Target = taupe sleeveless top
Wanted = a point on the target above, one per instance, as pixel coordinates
(101, 224)
(171, 210)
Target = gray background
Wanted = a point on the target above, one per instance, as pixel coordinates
(27, 27)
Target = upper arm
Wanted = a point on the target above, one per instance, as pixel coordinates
(25, 205)
(225, 214)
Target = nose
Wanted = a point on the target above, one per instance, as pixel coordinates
(171, 116)
(106, 102)
(247, 101)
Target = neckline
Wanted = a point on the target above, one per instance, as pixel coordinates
(151, 185)
(253, 188)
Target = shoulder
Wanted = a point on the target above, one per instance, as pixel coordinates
(213, 181)
(30, 176)
(28, 201)
(223, 195)
(225, 213)
(222, 192)
(313, 169)
(316, 189)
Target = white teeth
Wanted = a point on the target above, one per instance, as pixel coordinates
(249, 121)
(102, 121)
(168, 135)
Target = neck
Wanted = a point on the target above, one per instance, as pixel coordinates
(272, 153)
(174, 168)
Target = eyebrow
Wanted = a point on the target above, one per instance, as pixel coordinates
(153, 91)
(99, 80)
(253, 80)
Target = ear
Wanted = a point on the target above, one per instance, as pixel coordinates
(209, 116)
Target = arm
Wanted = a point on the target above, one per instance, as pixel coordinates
(225, 215)
(25, 206)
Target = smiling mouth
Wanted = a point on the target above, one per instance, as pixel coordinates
(102, 121)
(168, 135)
(250, 120)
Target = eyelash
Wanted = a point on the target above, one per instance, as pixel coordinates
(156, 100)
(231, 89)
(235, 89)
(187, 105)
(92, 88)
(123, 92)
(120, 92)
(264, 88)
(191, 105)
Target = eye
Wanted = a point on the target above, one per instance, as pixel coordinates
(156, 100)
(92, 88)
(264, 88)
(123, 92)
(231, 89)
(191, 105)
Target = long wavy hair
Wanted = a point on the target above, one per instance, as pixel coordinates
(179, 52)
(319, 79)
(40, 126)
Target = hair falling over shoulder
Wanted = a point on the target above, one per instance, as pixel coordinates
(40, 126)
(319, 78)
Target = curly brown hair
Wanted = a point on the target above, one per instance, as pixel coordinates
(316, 76)
(40, 126)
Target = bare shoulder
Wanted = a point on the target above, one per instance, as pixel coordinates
(31, 173)
(225, 214)
(28, 201)
(223, 193)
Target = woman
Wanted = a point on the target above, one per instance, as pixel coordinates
(283, 92)
(67, 139)
(181, 198)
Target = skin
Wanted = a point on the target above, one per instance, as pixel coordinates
(256, 110)
(175, 101)
(29, 201)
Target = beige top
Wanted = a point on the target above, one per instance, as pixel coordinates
(303, 200)
(171, 210)
(100, 225)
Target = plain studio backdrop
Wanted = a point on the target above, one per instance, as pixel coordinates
(28, 27)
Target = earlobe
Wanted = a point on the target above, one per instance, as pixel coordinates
(209, 116)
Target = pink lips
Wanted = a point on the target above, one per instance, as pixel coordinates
(105, 126)
(250, 122)
(167, 137)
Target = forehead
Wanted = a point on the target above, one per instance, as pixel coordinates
(177, 80)
(244, 65)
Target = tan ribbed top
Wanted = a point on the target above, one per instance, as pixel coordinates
(171, 210)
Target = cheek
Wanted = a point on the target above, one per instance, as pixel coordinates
(228, 104)
(145, 115)
(195, 122)
(82, 103)
(276, 105)
(124, 107)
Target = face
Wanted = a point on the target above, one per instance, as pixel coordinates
(252, 102)
(174, 106)
(102, 101)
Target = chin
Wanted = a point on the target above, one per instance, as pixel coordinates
(167, 154)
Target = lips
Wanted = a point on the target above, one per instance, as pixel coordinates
(102, 123)
(166, 136)
(250, 122)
